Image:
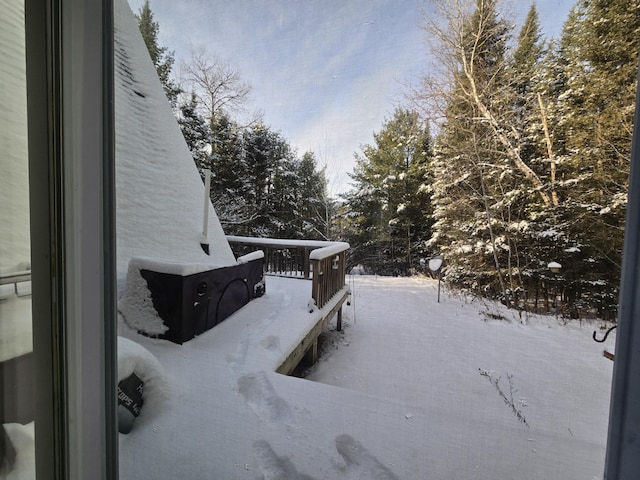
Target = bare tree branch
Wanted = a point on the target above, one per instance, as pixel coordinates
(218, 86)
(458, 73)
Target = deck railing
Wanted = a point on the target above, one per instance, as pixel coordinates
(329, 267)
(323, 262)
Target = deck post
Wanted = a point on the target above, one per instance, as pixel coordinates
(305, 263)
(311, 355)
(339, 320)
(314, 351)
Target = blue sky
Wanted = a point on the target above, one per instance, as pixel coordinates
(325, 73)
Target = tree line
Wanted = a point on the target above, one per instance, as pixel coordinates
(531, 159)
(260, 185)
(512, 153)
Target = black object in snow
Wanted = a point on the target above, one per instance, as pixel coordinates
(605, 335)
(192, 304)
(130, 400)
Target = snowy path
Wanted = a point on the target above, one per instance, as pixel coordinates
(401, 396)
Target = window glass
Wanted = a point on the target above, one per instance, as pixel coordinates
(16, 358)
(419, 379)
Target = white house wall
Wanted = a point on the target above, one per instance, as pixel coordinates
(14, 173)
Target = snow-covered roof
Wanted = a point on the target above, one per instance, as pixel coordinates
(159, 192)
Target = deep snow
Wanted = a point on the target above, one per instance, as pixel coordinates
(430, 357)
(400, 394)
(404, 393)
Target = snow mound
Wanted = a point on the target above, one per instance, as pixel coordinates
(134, 358)
(136, 305)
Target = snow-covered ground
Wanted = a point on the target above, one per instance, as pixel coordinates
(412, 389)
(442, 364)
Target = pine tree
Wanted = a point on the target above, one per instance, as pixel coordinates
(161, 57)
(229, 182)
(598, 63)
(535, 238)
(478, 167)
(314, 208)
(391, 205)
(196, 133)
(269, 178)
(524, 70)
(531, 162)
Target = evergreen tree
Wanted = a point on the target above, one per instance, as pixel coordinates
(531, 162)
(229, 182)
(161, 57)
(533, 233)
(314, 208)
(196, 133)
(478, 168)
(228, 157)
(390, 204)
(269, 175)
(284, 199)
(595, 99)
(524, 70)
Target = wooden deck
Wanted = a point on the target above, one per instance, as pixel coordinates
(324, 263)
(309, 345)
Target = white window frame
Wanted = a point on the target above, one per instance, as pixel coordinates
(71, 160)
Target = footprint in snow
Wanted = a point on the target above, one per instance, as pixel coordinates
(273, 467)
(262, 397)
(359, 462)
(271, 343)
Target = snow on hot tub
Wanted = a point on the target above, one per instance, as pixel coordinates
(177, 301)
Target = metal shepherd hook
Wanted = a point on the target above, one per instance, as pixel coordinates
(605, 335)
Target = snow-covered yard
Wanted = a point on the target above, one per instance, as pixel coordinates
(445, 365)
(411, 389)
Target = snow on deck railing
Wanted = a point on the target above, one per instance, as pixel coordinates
(329, 271)
(323, 262)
